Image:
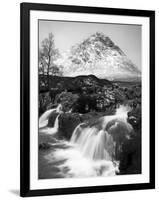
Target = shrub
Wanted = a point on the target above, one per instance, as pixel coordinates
(67, 99)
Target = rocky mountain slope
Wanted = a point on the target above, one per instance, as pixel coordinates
(98, 55)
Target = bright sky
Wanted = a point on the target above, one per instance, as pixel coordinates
(127, 37)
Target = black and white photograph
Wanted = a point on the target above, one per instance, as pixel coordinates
(89, 99)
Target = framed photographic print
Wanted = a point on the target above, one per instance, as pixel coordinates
(87, 99)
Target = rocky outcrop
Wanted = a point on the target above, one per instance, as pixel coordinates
(69, 121)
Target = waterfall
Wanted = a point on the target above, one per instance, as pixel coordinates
(59, 109)
(76, 133)
(99, 141)
(52, 130)
(92, 149)
(123, 111)
(43, 120)
(93, 143)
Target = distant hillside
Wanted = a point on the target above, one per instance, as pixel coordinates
(98, 55)
(74, 83)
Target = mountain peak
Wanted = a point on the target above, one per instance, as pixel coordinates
(98, 55)
(99, 36)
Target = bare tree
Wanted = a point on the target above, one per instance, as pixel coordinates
(47, 55)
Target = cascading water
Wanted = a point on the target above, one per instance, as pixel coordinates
(54, 129)
(97, 141)
(43, 121)
(92, 148)
(59, 109)
(93, 143)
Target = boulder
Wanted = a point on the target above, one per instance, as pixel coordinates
(67, 124)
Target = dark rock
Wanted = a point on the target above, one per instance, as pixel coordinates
(130, 157)
(134, 118)
(69, 121)
(67, 124)
(44, 146)
(52, 119)
(44, 102)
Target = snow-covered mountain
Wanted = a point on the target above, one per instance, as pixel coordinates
(98, 55)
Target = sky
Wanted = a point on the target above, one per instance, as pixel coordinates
(67, 34)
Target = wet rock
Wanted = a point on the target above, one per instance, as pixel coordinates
(134, 118)
(44, 146)
(130, 157)
(67, 124)
(52, 119)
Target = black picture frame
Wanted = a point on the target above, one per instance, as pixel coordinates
(25, 9)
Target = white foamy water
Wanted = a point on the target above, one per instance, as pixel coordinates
(123, 110)
(92, 148)
(93, 143)
(52, 130)
(77, 165)
(96, 142)
(43, 120)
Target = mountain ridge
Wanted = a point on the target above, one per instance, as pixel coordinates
(100, 56)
